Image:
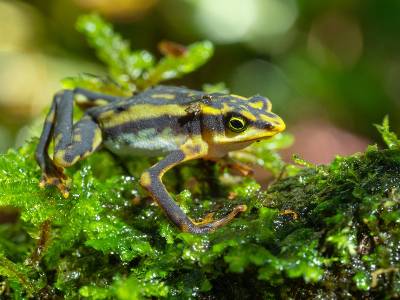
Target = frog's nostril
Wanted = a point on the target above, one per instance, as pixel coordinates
(269, 126)
(275, 126)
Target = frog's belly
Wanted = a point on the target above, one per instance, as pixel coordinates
(144, 143)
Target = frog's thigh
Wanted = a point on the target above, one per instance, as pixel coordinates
(85, 139)
(59, 123)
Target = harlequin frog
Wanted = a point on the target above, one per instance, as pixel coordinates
(176, 123)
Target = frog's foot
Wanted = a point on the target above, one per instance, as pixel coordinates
(289, 212)
(58, 179)
(242, 169)
(209, 224)
(206, 220)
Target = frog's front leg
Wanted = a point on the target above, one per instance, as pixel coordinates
(71, 141)
(152, 182)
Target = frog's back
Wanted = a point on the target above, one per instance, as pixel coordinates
(159, 95)
(150, 123)
(163, 95)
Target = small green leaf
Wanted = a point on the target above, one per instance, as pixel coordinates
(96, 84)
(344, 242)
(390, 138)
(95, 293)
(302, 162)
(171, 67)
(17, 274)
(124, 65)
(362, 281)
(239, 258)
(219, 87)
(133, 288)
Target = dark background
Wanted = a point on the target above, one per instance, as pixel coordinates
(331, 68)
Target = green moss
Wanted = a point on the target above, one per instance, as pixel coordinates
(321, 231)
(133, 70)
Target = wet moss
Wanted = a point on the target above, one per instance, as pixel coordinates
(328, 231)
(318, 231)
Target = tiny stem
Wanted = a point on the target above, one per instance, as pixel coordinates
(45, 229)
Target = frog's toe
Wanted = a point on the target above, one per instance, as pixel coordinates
(62, 183)
(237, 167)
(292, 213)
(206, 220)
(209, 224)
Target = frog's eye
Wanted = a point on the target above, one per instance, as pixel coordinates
(237, 124)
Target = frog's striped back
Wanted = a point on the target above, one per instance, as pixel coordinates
(158, 96)
(162, 94)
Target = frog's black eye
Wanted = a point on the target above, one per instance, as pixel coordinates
(237, 124)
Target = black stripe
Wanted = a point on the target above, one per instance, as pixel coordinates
(125, 105)
(179, 125)
(213, 123)
(263, 125)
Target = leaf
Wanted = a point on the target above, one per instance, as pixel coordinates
(171, 67)
(239, 258)
(133, 70)
(134, 288)
(389, 137)
(219, 87)
(95, 83)
(17, 274)
(124, 65)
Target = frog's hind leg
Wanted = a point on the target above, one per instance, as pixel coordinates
(70, 147)
(71, 142)
(51, 173)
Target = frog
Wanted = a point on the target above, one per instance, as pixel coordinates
(176, 124)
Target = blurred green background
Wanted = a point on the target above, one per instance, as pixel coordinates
(331, 68)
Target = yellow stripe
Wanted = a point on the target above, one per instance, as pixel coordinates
(164, 96)
(209, 110)
(58, 158)
(77, 138)
(237, 96)
(97, 139)
(257, 105)
(140, 112)
(248, 115)
(267, 119)
(58, 138)
(194, 148)
(145, 179)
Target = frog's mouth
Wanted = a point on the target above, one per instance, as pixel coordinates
(245, 139)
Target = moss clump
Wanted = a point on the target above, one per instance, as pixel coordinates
(328, 231)
(129, 70)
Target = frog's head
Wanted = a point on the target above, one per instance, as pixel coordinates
(233, 122)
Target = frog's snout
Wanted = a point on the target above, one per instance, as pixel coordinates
(280, 127)
(277, 125)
